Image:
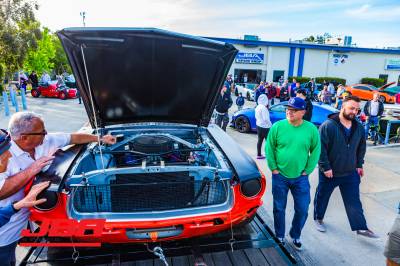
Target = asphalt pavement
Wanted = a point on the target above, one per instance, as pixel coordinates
(380, 192)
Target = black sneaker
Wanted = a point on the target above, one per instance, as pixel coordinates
(281, 241)
(297, 244)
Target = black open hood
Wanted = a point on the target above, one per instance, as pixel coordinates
(146, 75)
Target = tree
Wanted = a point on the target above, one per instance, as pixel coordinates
(311, 38)
(60, 60)
(39, 59)
(19, 32)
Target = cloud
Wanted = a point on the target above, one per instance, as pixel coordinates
(375, 13)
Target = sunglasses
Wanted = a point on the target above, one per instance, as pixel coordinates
(43, 133)
(290, 110)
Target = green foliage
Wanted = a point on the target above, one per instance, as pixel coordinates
(39, 59)
(373, 81)
(19, 32)
(334, 80)
(60, 60)
(299, 79)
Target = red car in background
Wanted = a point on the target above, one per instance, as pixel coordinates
(53, 90)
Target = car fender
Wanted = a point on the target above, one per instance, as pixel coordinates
(243, 165)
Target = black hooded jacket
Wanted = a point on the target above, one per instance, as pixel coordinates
(339, 153)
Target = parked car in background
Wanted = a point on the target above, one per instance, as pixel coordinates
(366, 92)
(247, 90)
(245, 121)
(170, 175)
(54, 90)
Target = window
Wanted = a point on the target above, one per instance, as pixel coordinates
(364, 88)
(278, 108)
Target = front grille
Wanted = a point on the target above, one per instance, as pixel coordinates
(149, 192)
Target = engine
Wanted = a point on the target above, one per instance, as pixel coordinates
(159, 149)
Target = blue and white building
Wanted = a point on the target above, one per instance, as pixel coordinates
(264, 60)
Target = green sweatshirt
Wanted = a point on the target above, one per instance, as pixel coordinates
(292, 150)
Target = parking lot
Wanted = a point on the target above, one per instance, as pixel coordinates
(380, 192)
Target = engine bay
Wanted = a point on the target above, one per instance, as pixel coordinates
(153, 148)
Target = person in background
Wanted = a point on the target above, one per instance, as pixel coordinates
(325, 96)
(309, 106)
(45, 79)
(392, 247)
(292, 90)
(229, 83)
(312, 86)
(373, 110)
(240, 101)
(224, 102)
(293, 148)
(339, 96)
(271, 93)
(293, 84)
(341, 162)
(260, 90)
(33, 79)
(263, 122)
(280, 81)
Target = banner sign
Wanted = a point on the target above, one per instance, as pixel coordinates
(339, 58)
(249, 58)
(392, 64)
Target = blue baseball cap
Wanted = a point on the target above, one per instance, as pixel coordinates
(297, 103)
(5, 141)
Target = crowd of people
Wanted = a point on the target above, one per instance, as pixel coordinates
(294, 147)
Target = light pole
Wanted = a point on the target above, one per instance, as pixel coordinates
(83, 15)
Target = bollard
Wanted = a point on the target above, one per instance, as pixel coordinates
(23, 99)
(16, 102)
(5, 101)
(12, 95)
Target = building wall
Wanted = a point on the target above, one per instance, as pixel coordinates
(318, 63)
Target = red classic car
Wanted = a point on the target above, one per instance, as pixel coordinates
(53, 90)
(170, 175)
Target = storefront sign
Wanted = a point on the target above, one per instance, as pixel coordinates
(249, 58)
(392, 64)
(339, 58)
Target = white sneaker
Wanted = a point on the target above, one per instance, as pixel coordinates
(319, 224)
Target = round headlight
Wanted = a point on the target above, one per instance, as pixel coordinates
(51, 200)
(251, 188)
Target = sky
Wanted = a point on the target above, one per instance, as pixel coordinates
(370, 23)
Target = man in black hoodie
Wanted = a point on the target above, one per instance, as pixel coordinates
(343, 149)
(224, 102)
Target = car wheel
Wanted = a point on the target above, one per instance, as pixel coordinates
(242, 124)
(382, 99)
(248, 97)
(35, 93)
(63, 95)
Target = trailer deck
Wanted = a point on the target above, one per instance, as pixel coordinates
(253, 244)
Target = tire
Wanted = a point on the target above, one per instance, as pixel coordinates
(35, 93)
(382, 99)
(242, 124)
(63, 95)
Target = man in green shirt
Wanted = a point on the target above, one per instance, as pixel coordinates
(293, 148)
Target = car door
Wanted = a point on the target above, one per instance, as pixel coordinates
(277, 112)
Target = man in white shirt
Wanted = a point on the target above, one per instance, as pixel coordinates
(373, 110)
(31, 150)
(263, 122)
(45, 79)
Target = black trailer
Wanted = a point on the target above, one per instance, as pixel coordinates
(252, 244)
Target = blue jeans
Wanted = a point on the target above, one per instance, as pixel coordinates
(7, 254)
(350, 189)
(372, 121)
(300, 189)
